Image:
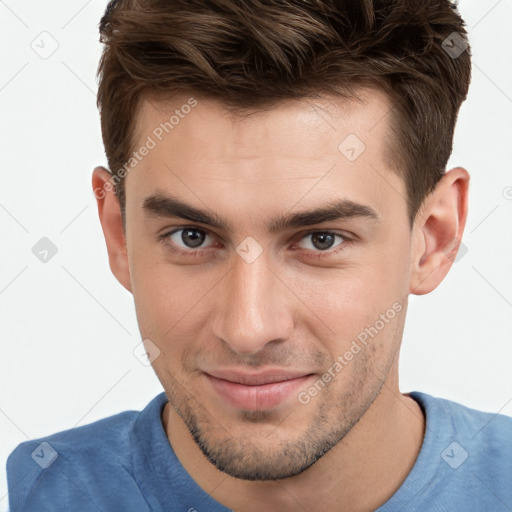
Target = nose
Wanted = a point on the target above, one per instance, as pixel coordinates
(254, 307)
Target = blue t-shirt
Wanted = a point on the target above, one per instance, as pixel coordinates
(126, 463)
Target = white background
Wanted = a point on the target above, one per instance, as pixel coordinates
(68, 328)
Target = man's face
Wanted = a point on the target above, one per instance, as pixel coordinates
(251, 300)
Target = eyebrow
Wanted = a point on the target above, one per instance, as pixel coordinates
(160, 205)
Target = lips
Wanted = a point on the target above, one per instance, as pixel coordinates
(256, 391)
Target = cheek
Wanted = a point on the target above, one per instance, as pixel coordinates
(171, 303)
(161, 288)
(354, 313)
(348, 298)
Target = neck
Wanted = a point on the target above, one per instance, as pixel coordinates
(359, 474)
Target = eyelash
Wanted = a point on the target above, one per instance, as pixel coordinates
(197, 253)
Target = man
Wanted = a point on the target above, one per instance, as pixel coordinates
(278, 189)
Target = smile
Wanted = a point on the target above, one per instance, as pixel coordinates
(256, 392)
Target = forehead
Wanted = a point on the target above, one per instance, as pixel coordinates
(279, 127)
(324, 147)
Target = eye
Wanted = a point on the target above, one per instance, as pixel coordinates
(187, 238)
(322, 241)
(190, 242)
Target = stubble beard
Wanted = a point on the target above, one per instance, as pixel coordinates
(276, 454)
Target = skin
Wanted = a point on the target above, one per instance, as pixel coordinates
(352, 445)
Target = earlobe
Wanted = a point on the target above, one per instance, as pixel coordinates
(109, 212)
(438, 230)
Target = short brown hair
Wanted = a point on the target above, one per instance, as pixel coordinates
(254, 53)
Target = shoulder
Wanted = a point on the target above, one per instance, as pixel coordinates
(466, 422)
(474, 450)
(71, 466)
(488, 437)
(86, 441)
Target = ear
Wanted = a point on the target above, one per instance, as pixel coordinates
(437, 231)
(111, 220)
